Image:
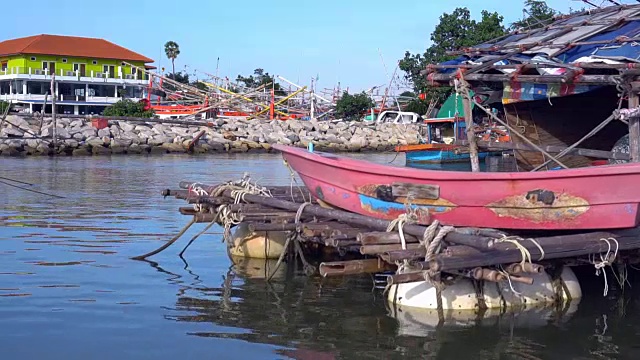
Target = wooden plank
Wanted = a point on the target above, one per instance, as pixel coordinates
(634, 130)
(416, 191)
(601, 154)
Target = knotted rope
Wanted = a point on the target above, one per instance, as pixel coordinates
(432, 238)
(605, 260)
(196, 188)
(399, 222)
(526, 254)
(228, 219)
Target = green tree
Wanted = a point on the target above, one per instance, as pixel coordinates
(351, 107)
(3, 106)
(172, 50)
(128, 108)
(537, 14)
(454, 31)
(260, 77)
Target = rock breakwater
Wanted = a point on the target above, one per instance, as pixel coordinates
(21, 135)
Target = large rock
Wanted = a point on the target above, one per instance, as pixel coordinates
(95, 142)
(106, 132)
(100, 150)
(125, 126)
(159, 140)
(134, 149)
(11, 131)
(81, 151)
(173, 147)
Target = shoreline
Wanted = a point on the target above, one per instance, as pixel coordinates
(78, 136)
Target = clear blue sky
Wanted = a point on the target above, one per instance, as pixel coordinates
(336, 39)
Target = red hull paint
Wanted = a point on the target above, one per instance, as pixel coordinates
(601, 197)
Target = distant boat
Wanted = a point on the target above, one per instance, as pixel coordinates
(440, 149)
(546, 200)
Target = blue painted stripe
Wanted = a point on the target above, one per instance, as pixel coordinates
(381, 206)
(440, 156)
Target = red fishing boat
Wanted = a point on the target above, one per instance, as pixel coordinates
(600, 197)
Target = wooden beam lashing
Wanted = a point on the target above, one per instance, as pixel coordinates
(634, 129)
(416, 191)
(353, 267)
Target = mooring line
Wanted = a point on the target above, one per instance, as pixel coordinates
(174, 239)
(215, 219)
(16, 181)
(31, 190)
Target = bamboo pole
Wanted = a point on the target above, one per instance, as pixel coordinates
(634, 129)
(468, 119)
(280, 101)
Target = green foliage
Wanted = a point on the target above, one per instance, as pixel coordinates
(456, 30)
(538, 14)
(128, 108)
(172, 50)
(351, 107)
(183, 78)
(260, 77)
(417, 106)
(3, 106)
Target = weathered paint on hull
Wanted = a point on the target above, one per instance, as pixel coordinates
(602, 197)
(439, 156)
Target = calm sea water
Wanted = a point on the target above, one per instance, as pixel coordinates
(68, 289)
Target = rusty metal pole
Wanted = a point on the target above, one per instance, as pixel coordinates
(468, 119)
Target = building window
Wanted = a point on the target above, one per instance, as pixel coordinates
(3, 66)
(105, 69)
(95, 62)
(123, 64)
(133, 70)
(64, 60)
(45, 65)
(33, 58)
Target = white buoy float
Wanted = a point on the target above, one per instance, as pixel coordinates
(421, 322)
(462, 295)
(258, 244)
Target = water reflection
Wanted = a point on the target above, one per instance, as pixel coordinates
(68, 286)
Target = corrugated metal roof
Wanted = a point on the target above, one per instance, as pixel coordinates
(566, 35)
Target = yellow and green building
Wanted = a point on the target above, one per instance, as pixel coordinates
(90, 73)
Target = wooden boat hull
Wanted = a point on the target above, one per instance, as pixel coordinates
(601, 197)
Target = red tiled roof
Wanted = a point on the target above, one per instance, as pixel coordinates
(69, 46)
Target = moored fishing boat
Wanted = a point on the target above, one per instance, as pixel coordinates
(441, 149)
(600, 197)
(436, 153)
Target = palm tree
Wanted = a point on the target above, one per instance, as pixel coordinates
(172, 50)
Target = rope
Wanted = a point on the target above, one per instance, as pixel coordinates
(515, 240)
(200, 233)
(299, 215)
(168, 243)
(228, 219)
(432, 240)
(604, 261)
(294, 180)
(399, 222)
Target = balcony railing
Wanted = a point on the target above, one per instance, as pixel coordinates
(89, 75)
